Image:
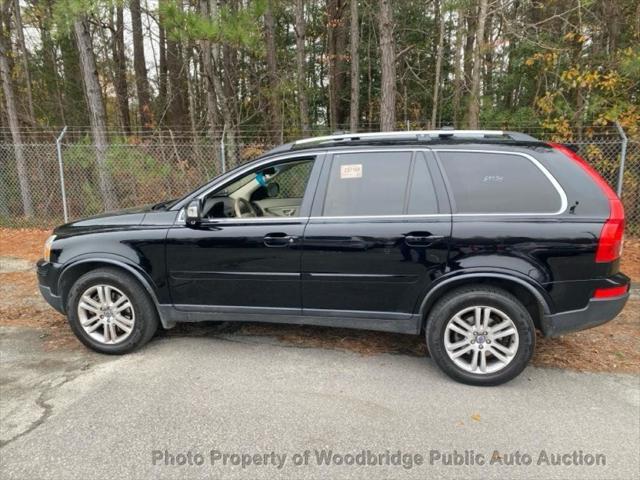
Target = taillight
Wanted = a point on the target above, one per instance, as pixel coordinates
(612, 234)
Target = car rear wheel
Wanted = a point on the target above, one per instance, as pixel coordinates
(110, 312)
(480, 335)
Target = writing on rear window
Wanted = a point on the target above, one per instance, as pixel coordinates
(493, 178)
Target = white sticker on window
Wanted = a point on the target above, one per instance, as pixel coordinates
(351, 171)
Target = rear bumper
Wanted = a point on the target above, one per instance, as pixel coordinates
(597, 312)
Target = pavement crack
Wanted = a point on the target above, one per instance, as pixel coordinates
(43, 402)
(46, 413)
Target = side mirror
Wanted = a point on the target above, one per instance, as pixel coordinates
(193, 213)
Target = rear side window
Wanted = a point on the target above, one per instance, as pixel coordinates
(367, 184)
(498, 183)
(380, 183)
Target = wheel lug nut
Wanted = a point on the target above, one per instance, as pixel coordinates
(488, 341)
(480, 347)
(484, 333)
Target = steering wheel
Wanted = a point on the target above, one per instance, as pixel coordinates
(243, 208)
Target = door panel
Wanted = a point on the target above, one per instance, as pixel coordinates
(253, 264)
(369, 265)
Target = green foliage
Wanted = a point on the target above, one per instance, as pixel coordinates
(67, 11)
(240, 28)
(513, 119)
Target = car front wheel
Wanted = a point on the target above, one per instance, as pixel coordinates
(480, 335)
(110, 312)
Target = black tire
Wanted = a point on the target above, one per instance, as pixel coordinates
(471, 296)
(146, 316)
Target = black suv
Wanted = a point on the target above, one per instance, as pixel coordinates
(474, 238)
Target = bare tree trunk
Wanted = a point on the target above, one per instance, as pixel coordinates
(439, 52)
(510, 95)
(301, 68)
(388, 63)
(191, 89)
(97, 117)
(50, 63)
(227, 112)
(120, 67)
(458, 73)
(163, 74)
(25, 62)
(336, 46)
(471, 22)
(207, 67)
(178, 101)
(14, 125)
(275, 118)
(227, 70)
(487, 74)
(140, 67)
(354, 109)
(224, 92)
(474, 103)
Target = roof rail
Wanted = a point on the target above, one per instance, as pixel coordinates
(418, 135)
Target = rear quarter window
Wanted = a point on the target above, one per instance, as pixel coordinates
(487, 182)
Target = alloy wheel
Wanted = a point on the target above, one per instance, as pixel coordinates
(106, 314)
(481, 339)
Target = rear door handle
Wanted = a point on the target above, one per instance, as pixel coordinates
(279, 239)
(421, 240)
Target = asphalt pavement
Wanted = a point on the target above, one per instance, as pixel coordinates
(222, 405)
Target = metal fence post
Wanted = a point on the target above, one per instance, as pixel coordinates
(623, 156)
(60, 166)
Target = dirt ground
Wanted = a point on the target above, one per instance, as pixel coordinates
(613, 347)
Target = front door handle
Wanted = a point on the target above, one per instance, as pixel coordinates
(279, 239)
(417, 240)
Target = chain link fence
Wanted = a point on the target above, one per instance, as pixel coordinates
(133, 171)
(127, 173)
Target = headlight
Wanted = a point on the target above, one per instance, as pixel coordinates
(47, 248)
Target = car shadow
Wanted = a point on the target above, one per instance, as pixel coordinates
(364, 342)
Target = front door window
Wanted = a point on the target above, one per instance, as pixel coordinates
(273, 191)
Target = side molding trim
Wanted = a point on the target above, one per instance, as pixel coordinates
(379, 321)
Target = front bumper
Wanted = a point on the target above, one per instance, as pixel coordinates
(597, 312)
(47, 281)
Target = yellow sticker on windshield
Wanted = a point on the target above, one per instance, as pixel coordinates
(351, 171)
